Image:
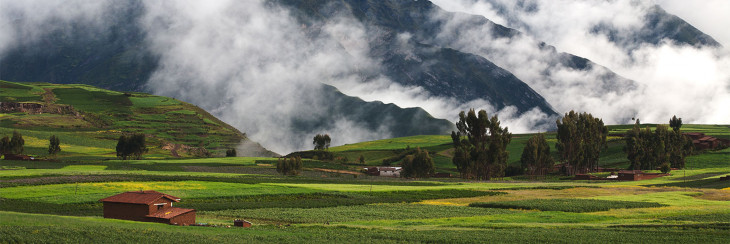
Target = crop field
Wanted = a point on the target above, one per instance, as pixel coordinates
(55, 199)
(59, 200)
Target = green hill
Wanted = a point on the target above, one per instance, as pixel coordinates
(88, 121)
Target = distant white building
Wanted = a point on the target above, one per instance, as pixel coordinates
(384, 171)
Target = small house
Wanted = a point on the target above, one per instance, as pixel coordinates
(384, 171)
(148, 206)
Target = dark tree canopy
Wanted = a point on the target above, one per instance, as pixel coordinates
(131, 146)
(536, 159)
(675, 123)
(321, 142)
(480, 145)
(290, 166)
(580, 139)
(231, 152)
(5, 145)
(17, 143)
(14, 145)
(54, 145)
(648, 150)
(418, 165)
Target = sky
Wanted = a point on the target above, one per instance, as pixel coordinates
(257, 68)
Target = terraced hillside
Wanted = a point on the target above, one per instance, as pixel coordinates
(88, 121)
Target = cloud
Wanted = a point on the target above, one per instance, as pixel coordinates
(26, 21)
(252, 65)
(670, 79)
(710, 16)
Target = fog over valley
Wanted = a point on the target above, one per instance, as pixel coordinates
(282, 71)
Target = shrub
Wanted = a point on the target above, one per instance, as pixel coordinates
(665, 168)
(231, 152)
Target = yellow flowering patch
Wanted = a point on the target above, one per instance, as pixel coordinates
(442, 202)
(159, 186)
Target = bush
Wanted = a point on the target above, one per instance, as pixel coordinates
(231, 152)
(665, 168)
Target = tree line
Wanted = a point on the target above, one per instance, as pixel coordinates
(480, 146)
(647, 149)
(16, 144)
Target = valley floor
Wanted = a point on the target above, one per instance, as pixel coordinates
(57, 202)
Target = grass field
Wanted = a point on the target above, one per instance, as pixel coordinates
(57, 200)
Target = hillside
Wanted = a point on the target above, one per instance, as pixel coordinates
(441, 149)
(88, 121)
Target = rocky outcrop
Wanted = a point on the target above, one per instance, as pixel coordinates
(37, 108)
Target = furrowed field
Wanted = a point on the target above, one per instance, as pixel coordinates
(56, 200)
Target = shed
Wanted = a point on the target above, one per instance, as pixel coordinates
(148, 206)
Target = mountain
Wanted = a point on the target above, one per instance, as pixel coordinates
(84, 111)
(450, 56)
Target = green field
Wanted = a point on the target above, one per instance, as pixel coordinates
(56, 200)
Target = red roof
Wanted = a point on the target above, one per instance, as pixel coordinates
(139, 197)
(170, 213)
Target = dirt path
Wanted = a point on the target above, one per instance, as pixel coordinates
(338, 171)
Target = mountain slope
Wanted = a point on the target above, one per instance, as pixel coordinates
(105, 115)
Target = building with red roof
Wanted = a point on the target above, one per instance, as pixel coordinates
(148, 206)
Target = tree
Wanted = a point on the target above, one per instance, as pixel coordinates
(131, 146)
(536, 157)
(231, 152)
(16, 143)
(675, 123)
(418, 165)
(291, 166)
(4, 145)
(321, 142)
(580, 139)
(480, 145)
(634, 146)
(54, 145)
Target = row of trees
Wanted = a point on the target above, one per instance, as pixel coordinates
(661, 148)
(16, 144)
(480, 146)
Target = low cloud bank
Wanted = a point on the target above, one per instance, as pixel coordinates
(671, 79)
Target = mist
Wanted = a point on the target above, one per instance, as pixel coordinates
(671, 79)
(260, 69)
